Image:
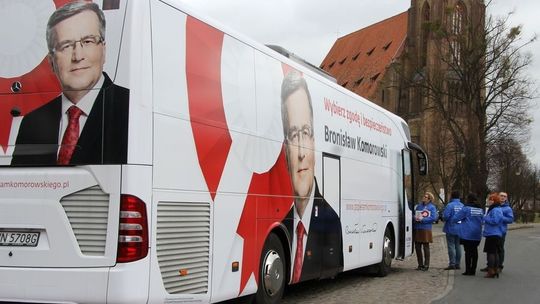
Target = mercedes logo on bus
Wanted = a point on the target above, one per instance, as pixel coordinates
(16, 87)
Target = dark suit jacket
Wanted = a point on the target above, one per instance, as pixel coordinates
(323, 256)
(103, 139)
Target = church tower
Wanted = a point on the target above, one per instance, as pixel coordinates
(425, 16)
(423, 60)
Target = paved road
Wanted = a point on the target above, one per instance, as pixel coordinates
(517, 284)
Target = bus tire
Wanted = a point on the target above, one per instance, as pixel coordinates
(384, 267)
(272, 272)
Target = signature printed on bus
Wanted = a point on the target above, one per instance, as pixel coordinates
(356, 229)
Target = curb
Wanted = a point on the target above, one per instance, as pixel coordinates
(449, 279)
(449, 286)
(520, 226)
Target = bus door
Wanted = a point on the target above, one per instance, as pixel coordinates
(331, 192)
(405, 211)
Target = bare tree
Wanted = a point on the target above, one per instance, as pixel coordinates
(479, 90)
(515, 174)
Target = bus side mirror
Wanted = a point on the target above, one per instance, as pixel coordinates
(421, 158)
(422, 163)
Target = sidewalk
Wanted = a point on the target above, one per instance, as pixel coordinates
(403, 285)
(412, 286)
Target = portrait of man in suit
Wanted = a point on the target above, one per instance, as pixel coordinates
(88, 122)
(314, 227)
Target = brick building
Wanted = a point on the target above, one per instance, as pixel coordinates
(381, 61)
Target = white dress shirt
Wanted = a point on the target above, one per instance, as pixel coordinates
(306, 219)
(85, 104)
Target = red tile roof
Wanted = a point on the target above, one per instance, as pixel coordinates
(359, 60)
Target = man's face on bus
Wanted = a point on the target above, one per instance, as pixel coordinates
(79, 53)
(300, 148)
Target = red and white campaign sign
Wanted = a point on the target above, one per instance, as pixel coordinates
(26, 78)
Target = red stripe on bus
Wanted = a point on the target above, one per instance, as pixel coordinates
(203, 73)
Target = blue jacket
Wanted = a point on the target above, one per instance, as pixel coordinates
(493, 222)
(471, 218)
(508, 215)
(453, 207)
(426, 222)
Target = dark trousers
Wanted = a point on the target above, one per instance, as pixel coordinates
(423, 259)
(493, 260)
(492, 247)
(501, 251)
(471, 255)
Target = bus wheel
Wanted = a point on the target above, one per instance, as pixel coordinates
(383, 269)
(272, 272)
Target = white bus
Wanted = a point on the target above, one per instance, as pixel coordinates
(149, 155)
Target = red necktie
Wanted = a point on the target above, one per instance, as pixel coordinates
(299, 256)
(71, 136)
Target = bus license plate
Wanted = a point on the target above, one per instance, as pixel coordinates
(19, 238)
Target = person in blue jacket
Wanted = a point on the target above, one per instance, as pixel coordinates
(470, 231)
(493, 231)
(452, 230)
(508, 218)
(425, 216)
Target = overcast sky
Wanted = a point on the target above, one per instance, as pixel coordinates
(309, 28)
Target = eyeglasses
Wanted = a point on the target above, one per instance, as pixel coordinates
(88, 42)
(295, 136)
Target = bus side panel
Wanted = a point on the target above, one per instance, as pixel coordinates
(219, 144)
(206, 140)
(178, 184)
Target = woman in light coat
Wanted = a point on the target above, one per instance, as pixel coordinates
(425, 216)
